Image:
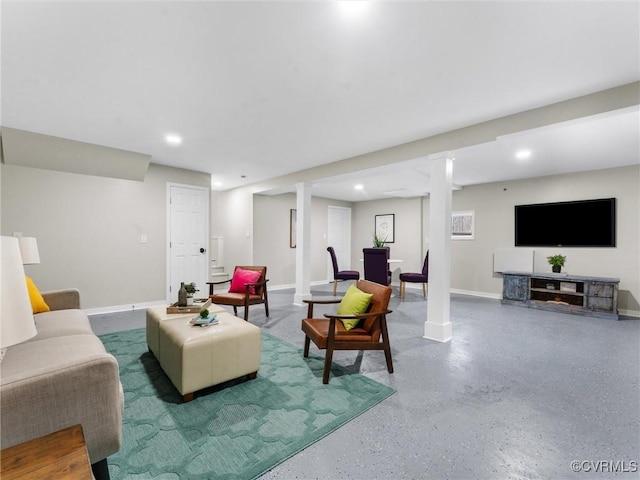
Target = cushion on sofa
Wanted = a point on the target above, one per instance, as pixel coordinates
(61, 323)
(32, 359)
(37, 302)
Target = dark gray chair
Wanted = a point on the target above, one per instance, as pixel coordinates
(340, 275)
(376, 265)
(411, 277)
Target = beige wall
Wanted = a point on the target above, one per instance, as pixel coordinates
(88, 230)
(472, 260)
(407, 245)
(271, 237)
(232, 218)
(271, 241)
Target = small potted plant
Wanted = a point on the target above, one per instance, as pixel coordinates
(378, 242)
(556, 262)
(191, 290)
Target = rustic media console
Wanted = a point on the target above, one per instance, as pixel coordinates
(558, 292)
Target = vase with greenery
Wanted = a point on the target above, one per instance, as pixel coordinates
(191, 290)
(556, 262)
(378, 242)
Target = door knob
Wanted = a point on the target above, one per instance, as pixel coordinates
(202, 250)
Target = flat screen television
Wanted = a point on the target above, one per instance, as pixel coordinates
(583, 223)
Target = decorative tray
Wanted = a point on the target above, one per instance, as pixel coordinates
(198, 304)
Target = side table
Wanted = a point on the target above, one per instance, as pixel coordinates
(62, 454)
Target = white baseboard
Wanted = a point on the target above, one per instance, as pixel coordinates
(124, 308)
(284, 287)
(145, 305)
(416, 286)
(495, 296)
(629, 313)
(157, 303)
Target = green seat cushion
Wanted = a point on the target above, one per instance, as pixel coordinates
(354, 302)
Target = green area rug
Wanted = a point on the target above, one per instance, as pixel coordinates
(237, 430)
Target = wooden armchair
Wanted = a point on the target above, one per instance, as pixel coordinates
(370, 333)
(243, 291)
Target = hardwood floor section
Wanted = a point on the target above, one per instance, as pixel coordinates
(62, 454)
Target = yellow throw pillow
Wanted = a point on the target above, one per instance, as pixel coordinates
(37, 302)
(354, 302)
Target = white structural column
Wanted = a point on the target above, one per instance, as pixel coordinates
(438, 325)
(303, 243)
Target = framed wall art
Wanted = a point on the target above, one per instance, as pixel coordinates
(462, 225)
(385, 227)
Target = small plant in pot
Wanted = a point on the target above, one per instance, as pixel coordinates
(378, 242)
(191, 290)
(556, 262)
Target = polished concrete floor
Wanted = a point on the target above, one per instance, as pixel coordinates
(517, 393)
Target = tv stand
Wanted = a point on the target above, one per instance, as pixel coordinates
(559, 292)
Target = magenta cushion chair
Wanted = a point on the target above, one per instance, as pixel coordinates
(243, 292)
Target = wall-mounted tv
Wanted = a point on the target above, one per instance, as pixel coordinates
(583, 223)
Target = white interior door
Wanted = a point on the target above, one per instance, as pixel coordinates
(339, 237)
(188, 227)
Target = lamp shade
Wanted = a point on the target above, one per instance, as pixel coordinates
(16, 314)
(29, 250)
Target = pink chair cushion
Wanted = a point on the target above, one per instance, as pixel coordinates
(241, 278)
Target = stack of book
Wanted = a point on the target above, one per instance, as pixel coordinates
(204, 321)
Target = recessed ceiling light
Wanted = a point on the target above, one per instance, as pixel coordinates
(217, 184)
(523, 154)
(353, 8)
(173, 139)
(359, 186)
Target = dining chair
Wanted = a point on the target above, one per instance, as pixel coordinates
(411, 277)
(248, 286)
(340, 275)
(376, 265)
(369, 333)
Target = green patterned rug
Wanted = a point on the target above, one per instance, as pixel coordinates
(238, 430)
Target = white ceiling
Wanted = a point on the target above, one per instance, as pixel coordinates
(264, 89)
(593, 143)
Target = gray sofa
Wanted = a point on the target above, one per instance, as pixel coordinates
(61, 377)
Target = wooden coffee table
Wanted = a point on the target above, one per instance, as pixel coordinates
(62, 454)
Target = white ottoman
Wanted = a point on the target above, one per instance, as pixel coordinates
(157, 315)
(196, 357)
